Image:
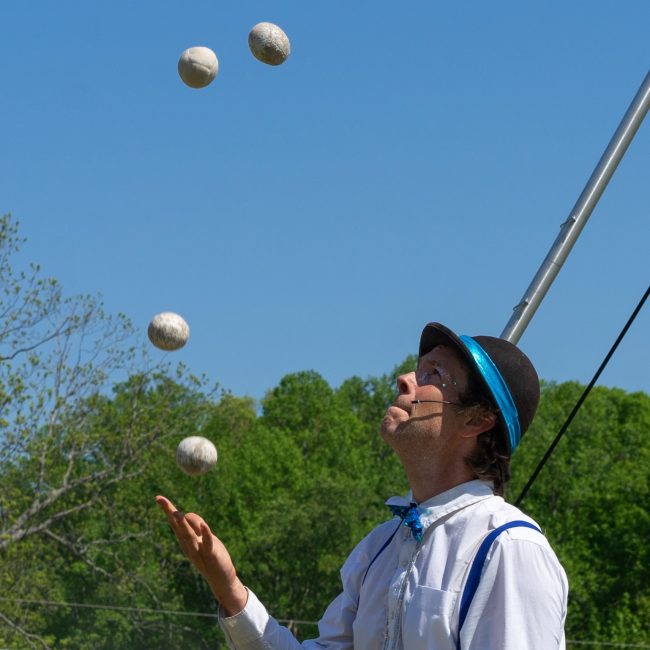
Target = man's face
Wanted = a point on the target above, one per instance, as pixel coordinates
(441, 375)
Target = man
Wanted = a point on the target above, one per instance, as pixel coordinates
(460, 568)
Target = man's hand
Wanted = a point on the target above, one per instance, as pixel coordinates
(207, 553)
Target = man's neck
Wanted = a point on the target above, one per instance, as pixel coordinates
(430, 477)
(424, 492)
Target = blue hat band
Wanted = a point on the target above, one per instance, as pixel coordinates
(498, 387)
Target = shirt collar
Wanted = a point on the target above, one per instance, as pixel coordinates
(447, 502)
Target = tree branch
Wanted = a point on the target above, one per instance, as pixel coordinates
(24, 633)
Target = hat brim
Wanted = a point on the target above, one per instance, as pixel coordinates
(437, 334)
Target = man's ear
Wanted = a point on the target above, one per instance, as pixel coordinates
(477, 422)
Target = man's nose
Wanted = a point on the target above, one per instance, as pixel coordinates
(406, 383)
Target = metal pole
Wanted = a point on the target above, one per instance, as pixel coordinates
(572, 227)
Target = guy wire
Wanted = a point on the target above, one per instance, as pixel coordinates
(586, 392)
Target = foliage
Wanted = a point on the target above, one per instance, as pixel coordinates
(593, 499)
(70, 451)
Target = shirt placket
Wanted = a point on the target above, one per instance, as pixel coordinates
(409, 552)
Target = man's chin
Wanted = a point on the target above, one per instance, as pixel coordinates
(390, 424)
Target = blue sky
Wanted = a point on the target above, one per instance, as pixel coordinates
(409, 162)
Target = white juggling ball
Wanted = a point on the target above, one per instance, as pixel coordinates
(269, 44)
(198, 66)
(196, 455)
(168, 331)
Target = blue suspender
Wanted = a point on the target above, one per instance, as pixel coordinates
(475, 571)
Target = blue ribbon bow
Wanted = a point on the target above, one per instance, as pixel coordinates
(411, 519)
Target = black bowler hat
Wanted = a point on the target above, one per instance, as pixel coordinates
(504, 372)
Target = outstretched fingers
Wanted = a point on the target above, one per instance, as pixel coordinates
(193, 534)
(195, 522)
(174, 516)
(203, 535)
(185, 532)
(179, 523)
(165, 505)
(206, 537)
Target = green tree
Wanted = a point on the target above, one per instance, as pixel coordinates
(593, 500)
(69, 451)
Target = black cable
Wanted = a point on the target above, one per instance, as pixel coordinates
(583, 397)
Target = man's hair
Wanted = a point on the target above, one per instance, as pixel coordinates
(490, 461)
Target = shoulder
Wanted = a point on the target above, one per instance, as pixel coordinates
(514, 542)
(522, 550)
(494, 512)
(525, 548)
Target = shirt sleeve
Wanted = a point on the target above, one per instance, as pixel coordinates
(254, 629)
(521, 600)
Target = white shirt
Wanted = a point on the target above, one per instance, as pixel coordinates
(410, 598)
